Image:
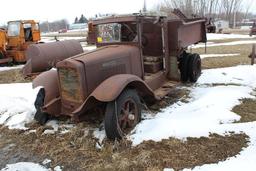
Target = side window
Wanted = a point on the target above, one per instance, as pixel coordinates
(13, 29)
(28, 31)
(36, 27)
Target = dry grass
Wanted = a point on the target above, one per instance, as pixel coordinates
(236, 31)
(76, 151)
(221, 62)
(247, 110)
(13, 76)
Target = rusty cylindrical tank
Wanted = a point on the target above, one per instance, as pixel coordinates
(42, 57)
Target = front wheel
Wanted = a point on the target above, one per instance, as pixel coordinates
(122, 115)
(40, 116)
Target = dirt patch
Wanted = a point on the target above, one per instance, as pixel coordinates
(76, 150)
(247, 110)
(13, 76)
(177, 94)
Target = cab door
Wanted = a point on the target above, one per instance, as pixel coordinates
(36, 32)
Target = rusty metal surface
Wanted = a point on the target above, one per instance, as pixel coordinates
(101, 74)
(92, 68)
(49, 81)
(110, 89)
(42, 57)
(179, 14)
(253, 55)
(181, 34)
(91, 35)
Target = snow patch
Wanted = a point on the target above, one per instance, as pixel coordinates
(24, 166)
(218, 55)
(214, 36)
(17, 104)
(11, 68)
(209, 107)
(46, 161)
(89, 48)
(100, 135)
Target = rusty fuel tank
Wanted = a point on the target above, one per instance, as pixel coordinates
(42, 57)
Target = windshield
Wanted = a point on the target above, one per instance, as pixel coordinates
(108, 33)
(13, 29)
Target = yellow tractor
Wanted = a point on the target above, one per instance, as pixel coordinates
(3, 41)
(20, 34)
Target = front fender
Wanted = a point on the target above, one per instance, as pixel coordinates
(112, 87)
(49, 81)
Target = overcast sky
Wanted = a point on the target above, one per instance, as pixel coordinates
(58, 9)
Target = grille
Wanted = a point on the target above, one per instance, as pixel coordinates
(70, 85)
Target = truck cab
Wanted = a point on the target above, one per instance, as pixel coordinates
(20, 35)
(138, 58)
(2, 43)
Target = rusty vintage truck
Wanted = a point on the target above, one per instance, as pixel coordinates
(139, 59)
(253, 29)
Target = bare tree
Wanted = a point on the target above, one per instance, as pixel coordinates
(230, 10)
(247, 7)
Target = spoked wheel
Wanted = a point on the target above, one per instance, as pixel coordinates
(128, 116)
(122, 115)
(194, 68)
(40, 116)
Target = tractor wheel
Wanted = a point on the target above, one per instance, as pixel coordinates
(40, 116)
(183, 65)
(1, 55)
(194, 68)
(122, 115)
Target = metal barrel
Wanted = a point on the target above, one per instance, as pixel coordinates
(42, 57)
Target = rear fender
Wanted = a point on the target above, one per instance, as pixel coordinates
(49, 81)
(112, 87)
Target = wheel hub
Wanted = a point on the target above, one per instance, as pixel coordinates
(128, 116)
(131, 117)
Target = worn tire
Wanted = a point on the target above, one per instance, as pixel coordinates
(183, 65)
(115, 113)
(40, 116)
(194, 68)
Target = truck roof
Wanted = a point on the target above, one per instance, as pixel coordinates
(126, 18)
(24, 21)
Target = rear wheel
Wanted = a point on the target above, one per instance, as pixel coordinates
(194, 69)
(40, 116)
(122, 115)
(183, 65)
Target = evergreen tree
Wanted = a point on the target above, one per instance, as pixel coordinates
(83, 19)
(76, 20)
